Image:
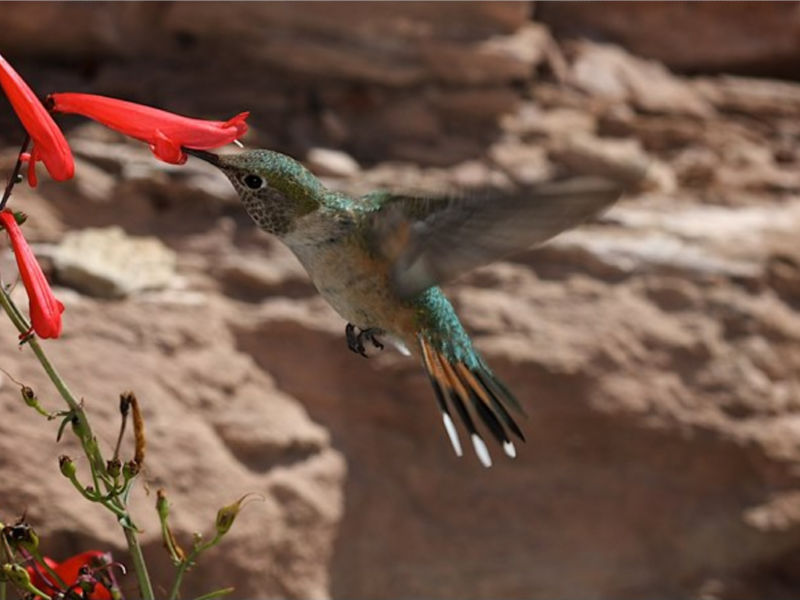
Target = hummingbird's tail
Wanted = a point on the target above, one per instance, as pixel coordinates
(473, 386)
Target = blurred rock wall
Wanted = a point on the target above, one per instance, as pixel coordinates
(656, 351)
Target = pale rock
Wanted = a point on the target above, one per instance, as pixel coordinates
(750, 95)
(331, 163)
(526, 164)
(610, 72)
(530, 120)
(620, 159)
(107, 263)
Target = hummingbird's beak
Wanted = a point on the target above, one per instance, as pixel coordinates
(209, 157)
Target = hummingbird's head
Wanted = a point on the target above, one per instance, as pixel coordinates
(275, 189)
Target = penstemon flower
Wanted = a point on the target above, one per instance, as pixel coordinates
(166, 132)
(45, 309)
(77, 572)
(49, 145)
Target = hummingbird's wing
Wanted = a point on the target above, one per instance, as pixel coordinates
(433, 240)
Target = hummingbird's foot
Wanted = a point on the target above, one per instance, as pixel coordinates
(355, 341)
(369, 334)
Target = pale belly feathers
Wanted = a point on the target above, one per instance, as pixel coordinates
(352, 282)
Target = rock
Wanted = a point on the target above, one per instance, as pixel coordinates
(750, 95)
(393, 44)
(660, 31)
(783, 274)
(525, 164)
(622, 160)
(498, 60)
(106, 263)
(609, 72)
(530, 120)
(332, 163)
(260, 275)
(475, 105)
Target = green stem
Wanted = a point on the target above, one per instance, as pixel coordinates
(84, 433)
(42, 562)
(139, 566)
(182, 568)
(216, 594)
(36, 591)
(187, 562)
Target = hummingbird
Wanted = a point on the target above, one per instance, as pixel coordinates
(379, 259)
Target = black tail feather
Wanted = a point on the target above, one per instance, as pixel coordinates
(477, 388)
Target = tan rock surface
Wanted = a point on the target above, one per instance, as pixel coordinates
(656, 350)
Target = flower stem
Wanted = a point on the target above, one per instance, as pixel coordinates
(189, 561)
(84, 433)
(139, 566)
(39, 559)
(13, 179)
(216, 594)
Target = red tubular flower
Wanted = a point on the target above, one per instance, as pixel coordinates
(45, 309)
(70, 573)
(165, 132)
(49, 144)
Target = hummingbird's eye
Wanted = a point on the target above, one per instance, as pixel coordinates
(254, 182)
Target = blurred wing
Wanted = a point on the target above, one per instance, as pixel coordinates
(433, 240)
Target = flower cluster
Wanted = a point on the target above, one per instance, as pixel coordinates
(168, 134)
(86, 573)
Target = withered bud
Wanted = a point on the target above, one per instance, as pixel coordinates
(67, 466)
(15, 574)
(227, 514)
(138, 432)
(125, 400)
(114, 467)
(21, 535)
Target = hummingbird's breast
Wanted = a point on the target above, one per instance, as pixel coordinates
(355, 283)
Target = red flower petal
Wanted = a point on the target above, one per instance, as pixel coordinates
(37, 580)
(49, 144)
(166, 132)
(68, 571)
(44, 308)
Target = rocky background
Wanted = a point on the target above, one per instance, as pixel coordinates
(656, 350)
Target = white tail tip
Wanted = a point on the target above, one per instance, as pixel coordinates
(452, 433)
(509, 449)
(482, 451)
(400, 346)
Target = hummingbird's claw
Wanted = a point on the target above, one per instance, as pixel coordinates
(355, 341)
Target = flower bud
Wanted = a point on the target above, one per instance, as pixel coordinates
(67, 466)
(29, 396)
(21, 535)
(15, 574)
(162, 506)
(114, 467)
(131, 469)
(227, 515)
